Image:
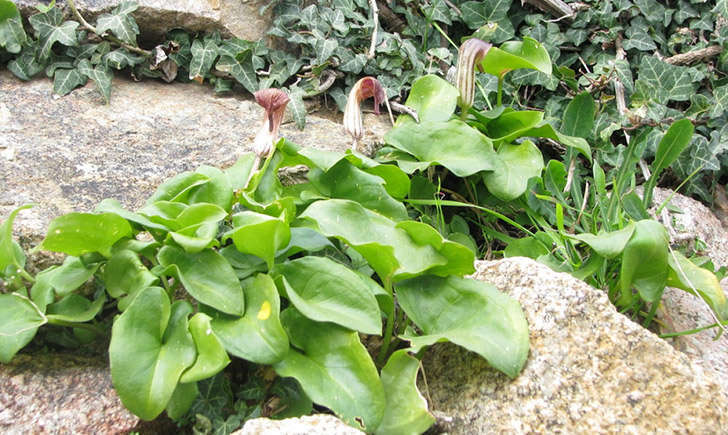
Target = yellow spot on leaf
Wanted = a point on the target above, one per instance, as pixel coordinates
(264, 312)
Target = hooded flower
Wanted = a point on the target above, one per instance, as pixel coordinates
(363, 89)
(274, 102)
(471, 53)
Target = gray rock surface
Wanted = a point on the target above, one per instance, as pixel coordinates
(44, 394)
(683, 311)
(68, 153)
(318, 424)
(239, 18)
(590, 369)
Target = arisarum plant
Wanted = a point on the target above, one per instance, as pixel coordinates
(471, 53)
(365, 88)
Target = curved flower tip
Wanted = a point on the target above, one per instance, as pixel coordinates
(274, 102)
(471, 53)
(365, 88)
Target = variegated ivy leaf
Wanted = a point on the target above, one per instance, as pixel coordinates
(324, 49)
(203, 56)
(664, 82)
(640, 41)
(120, 23)
(12, 35)
(477, 14)
(350, 62)
(26, 66)
(121, 58)
(50, 28)
(721, 101)
(241, 68)
(66, 80)
(297, 107)
(100, 74)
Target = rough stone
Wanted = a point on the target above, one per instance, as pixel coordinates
(318, 424)
(45, 394)
(590, 369)
(68, 153)
(682, 311)
(155, 17)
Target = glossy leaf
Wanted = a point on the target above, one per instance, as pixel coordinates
(259, 234)
(79, 233)
(469, 313)
(11, 254)
(433, 98)
(113, 206)
(51, 28)
(69, 276)
(326, 291)
(608, 245)
(207, 276)
(257, 336)
(459, 257)
(218, 190)
(578, 118)
(645, 261)
(528, 53)
(125, 276)
(390, 251)
(120, 23)
(345, 181)
(334, 369)
(75, 308)
(672, 144)
(66, 80)
(8, 10)
(452, 144)
(182, 399)
(211, 355)
(21, 319)
(406, 411)
(305, 239)
(685, 275)
(518, 164)
(177, 188)
(150, 348)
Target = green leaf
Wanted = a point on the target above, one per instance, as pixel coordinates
(645, 261)
(433, 98)
(203, 56)
(50, 28)
(469, 313)
(125, 276)
(296, 106)
(663, 82)
(389, 249)
(326, 291)
(406, 411)
(345, 181)
(12, 34)
(120, 23)
(460, 148)
(71, 275)
(21, 319)
(66, 80)
(177, 188)
(324, 49)
(121, 58)
(182, 399)
(75, 308)
(150, 348)
(675, 140)
(207, 276)
(26, 66)
(257, 336)
(100, 74)
(529, 54)
(519, 163)
(8, 10)
(109, 205)
(685, 275)
(11, 254)
(640, 41)
(241, 68)
(720, 93)
(608, 245)
(259, 234)
(305, 239)
(79, 233)
(512, 125)
(334, 370)
(211, 355)
(578, 119)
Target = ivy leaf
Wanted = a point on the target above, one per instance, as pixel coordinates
(721, 101)
(476, 14)
(334, 370)
(203, 56)
(297, 107)
(324, 49)
(50, 28)
(150, 348)
(101, 75)
(665, 82)
(241, 68)
(640, 41)
(26, 66)
(66, 80)
(12, 34)
(121, 58)
(120, 23)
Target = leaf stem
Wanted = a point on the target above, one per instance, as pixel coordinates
(111, 38)
(499, 95)
(85, 326)
(28, 277)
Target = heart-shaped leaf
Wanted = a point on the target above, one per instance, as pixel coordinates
(79, 233)
(608, 245)
(433, 98)
(211, 355)
(12, 257)
(326, 291)
(518, 164)
(685, 275)
(21, 320)
(334, 369)
(645, 261)
(528, 53)
(207, 276)
(257, 336)
(125, 276)
(150, 348)
(75, 308)
(259, 234)
(469, 313)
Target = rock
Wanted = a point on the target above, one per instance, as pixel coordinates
(318, 424)
(71, 152)
(683, 311)
(60, 394)
(237, 18)
(590, 369)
